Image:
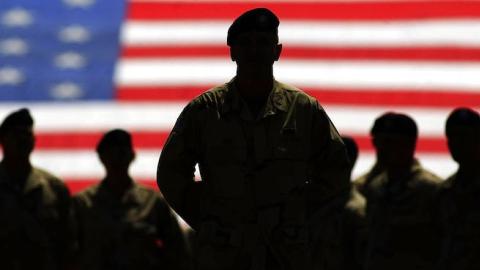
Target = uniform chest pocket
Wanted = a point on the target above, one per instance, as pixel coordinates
(289, 148)
(226, 152)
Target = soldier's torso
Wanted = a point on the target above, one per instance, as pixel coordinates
(255, 172)
(402, 232)
(254, 162)
(116, 233)
(29, 223)
(460, 221)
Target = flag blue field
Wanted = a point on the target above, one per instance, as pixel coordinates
(86, 66)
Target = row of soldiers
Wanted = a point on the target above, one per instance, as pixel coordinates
(116, 224)
(399, 215)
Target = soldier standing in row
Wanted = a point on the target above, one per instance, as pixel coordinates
(35, 219)
(400, 201)
(459, 198)
(123, 225)
(340, 227)
(268, 156)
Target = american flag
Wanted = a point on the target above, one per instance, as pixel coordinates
(86, 66)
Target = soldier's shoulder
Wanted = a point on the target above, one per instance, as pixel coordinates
(356, 203)
(294, 93)
(428, 178)
(88, 192)
(147, 193)
(49, 179)
(211, 97)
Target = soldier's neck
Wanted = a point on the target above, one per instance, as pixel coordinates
(254, 86)
(118, 181)
(18, 169)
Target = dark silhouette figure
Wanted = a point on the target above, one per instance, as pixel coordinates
(400, 201)
(340, 235)
(268, 157)
(35, 218)
(460, 194)
(121, 224)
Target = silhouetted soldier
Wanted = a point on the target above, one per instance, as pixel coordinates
(35, 218)
(339, 236)
(121, 224)
(363, 182)
(460, 194)
(263, 149)
(400, 201)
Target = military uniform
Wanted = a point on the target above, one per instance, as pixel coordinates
(402, 231)
(35, 222)
(339, 236)
(259, 174)
(363, 182)
(459, 217)
(136, 231)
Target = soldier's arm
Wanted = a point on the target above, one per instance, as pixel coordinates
(176, 167)
(66, 240)
(175, 248)
(329, 163)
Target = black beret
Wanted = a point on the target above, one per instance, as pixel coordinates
(21, 117)
(463, 117)
(260, 19)
(395, 123)
(115, 137)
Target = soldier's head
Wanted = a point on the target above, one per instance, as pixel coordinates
(463, 136)
(352, 150)
(253, 39)
(115, 150)
(394, 137)
(16, 135)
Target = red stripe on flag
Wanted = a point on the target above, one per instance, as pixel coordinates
(388, 53)
(156, 140)
(89, 140)
(377, 97)
(345, 11)
(76, 185)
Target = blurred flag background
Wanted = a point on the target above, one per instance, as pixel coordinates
(86, 66)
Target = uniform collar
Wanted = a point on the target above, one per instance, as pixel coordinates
(130, 196)
(276, 101)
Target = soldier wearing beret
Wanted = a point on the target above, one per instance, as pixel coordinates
(123, 225)
(400, 200)
(36, 228)
(459, 195)
(268, 156)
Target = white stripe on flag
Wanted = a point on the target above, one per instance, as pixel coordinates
(351, 74)
(161, 116)
(446, 32)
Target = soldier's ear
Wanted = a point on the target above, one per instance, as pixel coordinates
(278, 51)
